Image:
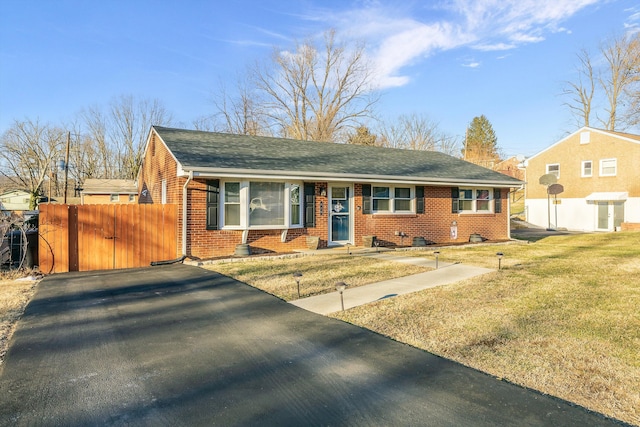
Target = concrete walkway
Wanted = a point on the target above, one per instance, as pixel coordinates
(445, 274)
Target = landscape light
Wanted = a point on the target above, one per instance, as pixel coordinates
(297, 276)
(436, 253)
(499, 255)
(340, 287)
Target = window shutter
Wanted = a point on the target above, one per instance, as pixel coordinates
(309, 204)
(213, 197)
(455, 195)
(366, 198)
(419, 199)
(497, 195)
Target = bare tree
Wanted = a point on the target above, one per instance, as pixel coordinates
(131, 120)
(616, 83)
(119, 133)
(86, 155)
(413, 131)
(28, 152)
(241, 113)
(95, 126)
(416, 132)
(581, 91)
(622, 55)
(314, 94)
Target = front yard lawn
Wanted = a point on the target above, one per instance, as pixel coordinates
(562, 316)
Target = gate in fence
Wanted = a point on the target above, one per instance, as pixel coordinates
(104, 237)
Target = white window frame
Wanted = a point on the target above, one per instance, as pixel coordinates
(114, 198)
(474, 200)
(582, 169)
(548, 167)
(245, 206)
(164, 191)
(392, 199)
(615, 167)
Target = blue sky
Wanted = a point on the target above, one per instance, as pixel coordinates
(451, 60)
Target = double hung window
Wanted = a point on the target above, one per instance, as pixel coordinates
(608, 167)
(477, 200)
(392, 199)
(554, 169)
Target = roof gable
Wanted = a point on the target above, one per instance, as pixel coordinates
(211, 152)
(619, 135)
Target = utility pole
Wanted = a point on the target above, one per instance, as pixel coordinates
(66, 166)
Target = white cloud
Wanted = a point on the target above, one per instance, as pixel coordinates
(399, 36)
(493, 47)
(473, 64)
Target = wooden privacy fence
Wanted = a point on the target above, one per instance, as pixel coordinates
(104, 237)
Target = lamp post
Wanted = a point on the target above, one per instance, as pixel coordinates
(340, 287)
(499, 255)
(297, 276)
(436, 253)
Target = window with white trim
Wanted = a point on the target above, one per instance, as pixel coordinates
(587, 168)
(608, 167)
(380, 197)
(479, 200)
(114, 198)
(295, 212)
(231, 203)
(402, 199)
(392, 199)
(554, 169)
(261, 205)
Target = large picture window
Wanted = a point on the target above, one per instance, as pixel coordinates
(261, 204)
(266, 203)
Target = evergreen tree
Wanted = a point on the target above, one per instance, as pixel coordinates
(362, 136)
(481, 143)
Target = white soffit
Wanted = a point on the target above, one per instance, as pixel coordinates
(607, 196)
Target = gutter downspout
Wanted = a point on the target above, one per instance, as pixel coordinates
(184, 214)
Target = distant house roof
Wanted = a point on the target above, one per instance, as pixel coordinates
(109, 186)
(226, 155)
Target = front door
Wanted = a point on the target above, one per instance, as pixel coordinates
(339, 215)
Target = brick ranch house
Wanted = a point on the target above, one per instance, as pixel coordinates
(274, 194)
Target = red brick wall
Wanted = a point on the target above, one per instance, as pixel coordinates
(433, 225)
(158, 164)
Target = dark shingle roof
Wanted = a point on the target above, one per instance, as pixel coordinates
(207, 151)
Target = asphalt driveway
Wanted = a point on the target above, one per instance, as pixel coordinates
(179, 345)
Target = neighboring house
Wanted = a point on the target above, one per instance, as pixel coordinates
(17, 200)
(511, 166)
(273, 193)
(104, 191)
(601, 178)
